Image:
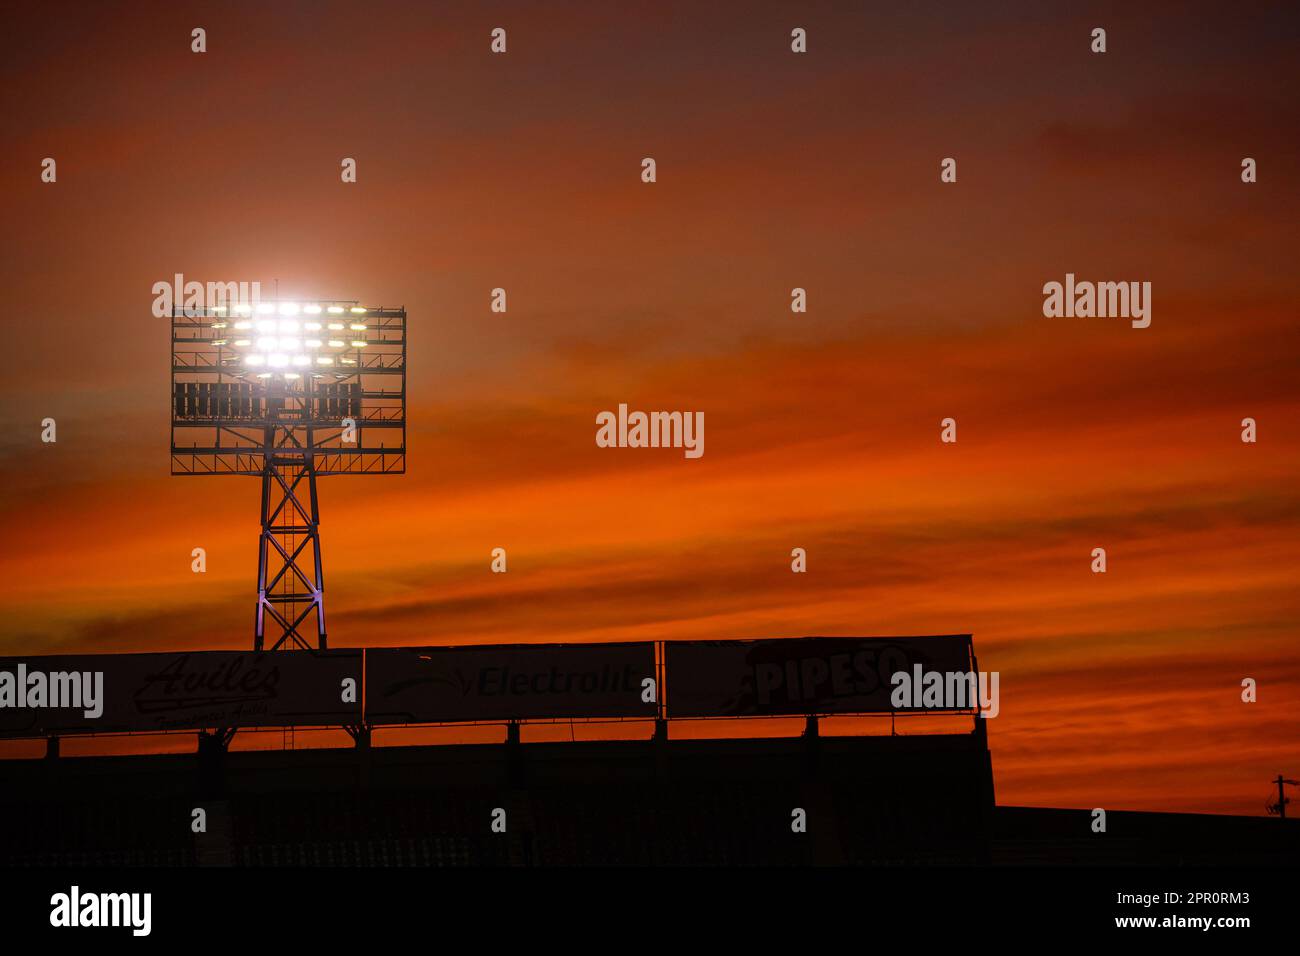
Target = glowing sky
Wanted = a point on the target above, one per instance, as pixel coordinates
(775, 170)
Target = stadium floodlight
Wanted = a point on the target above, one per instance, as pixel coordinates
(287, 408)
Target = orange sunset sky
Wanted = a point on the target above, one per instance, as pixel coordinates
(775, 170)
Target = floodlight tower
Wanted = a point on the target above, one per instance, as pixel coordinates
(288, 391)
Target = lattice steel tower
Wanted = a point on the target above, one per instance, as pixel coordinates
(288, 391)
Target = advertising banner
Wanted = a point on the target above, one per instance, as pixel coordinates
(809, 675)
(191, 690)
(410, 685)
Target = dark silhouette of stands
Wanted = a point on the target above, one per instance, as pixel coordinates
(1037, 836)
(925, 799)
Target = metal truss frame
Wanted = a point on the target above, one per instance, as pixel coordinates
(288, 433)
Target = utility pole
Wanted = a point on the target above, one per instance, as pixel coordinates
(1280, 807)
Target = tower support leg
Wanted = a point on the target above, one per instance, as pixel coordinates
(290, 581)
